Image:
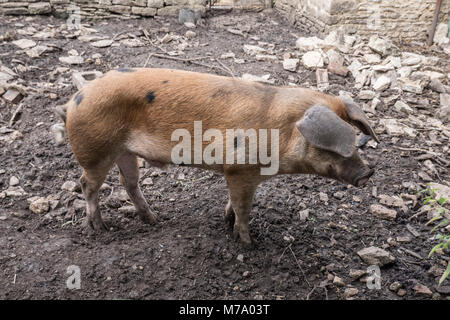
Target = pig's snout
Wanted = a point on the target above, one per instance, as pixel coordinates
(362, 179)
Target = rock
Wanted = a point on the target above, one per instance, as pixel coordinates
(401, 292)
(338, 282)
(240, 257)
(338, 69)
(400, 106)
(36, 51)
(356, 274)
(290, 64)
(382, 83)
(102, 43)
(190, 25)
(58, 131)
(391, 201)
(404, 239)
(323, 197)
(252, 50)
(372, 58)
(304, 214)
(366, 95)
(394, 286)
(409, 85)
(376, 256)
(12, 96)
(350, 292)
(147, 182)
(13, 181)
(322, 79)
(379, 45)
(251, 77)
(405, 72)
(444, 99)
(383, 212)
(40, 205)
(190, 34)
(39, 8)
(411, 61)
(313, 59)
(80, 79)
(335, 57)
(436, 85)
(308, 44)
(441, 34)
(71, 60)
(188, 15)
(421, 290)
(24, 43)
(440, 190)
(355, 67)
(71, 186)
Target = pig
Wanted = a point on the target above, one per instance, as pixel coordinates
(130, 113)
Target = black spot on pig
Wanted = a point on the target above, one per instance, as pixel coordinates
(125, 70)
(150, 96)
(78, 98)
(165, 81)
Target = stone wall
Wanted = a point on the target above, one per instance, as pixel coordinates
(100, 8)
(399, 19)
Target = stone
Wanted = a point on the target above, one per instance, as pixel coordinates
(71, 186)
(356, 274)
(394, 286)
(188, 15)
(35, 52)
(308, 44)
(335, 57)
(13, 181)
(441, 34)
(39, 205)
(338, 281)
(71, 60)
(24, 43)
(411, 61)
(421, 290)
(338, 69)
(12, 96)
(147, 182)
(290, 64)
(382, 212)
(251, 77)
(58, 131)
(190, 34)
(401, 292)
(366, 95)
(102, 43)
(409, 85)
(39, 8)
(80, 79)
(379, 45)
(382, 83)
(190, 25)
(440, 190)
(5, 77)
(252, 50)
(391, 201)
(401, 106)
(155, 3)
(265, 57)
(376, 256)
(313, 59)
(304, 214)
(240, 257)
(372, 58)
(322, 78)
(350, 292)
(145, 12)
(168, 11)
(436, 85)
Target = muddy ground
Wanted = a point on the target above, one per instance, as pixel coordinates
(190, 253)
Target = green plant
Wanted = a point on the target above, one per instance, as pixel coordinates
(442, 221)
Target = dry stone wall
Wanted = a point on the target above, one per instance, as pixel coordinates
(100, 8)
(405, 19)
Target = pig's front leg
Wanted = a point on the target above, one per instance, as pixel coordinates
(241, 188)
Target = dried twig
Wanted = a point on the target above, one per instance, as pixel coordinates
(299, 266)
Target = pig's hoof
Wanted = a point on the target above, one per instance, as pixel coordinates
(96, 224)
(243, 237)
(148, 217)
(229, 215)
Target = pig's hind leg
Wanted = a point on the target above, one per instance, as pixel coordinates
(129, 177)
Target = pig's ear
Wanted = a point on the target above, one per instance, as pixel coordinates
(324, 129)
(359, 119)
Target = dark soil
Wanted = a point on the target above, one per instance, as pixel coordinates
(190, 253)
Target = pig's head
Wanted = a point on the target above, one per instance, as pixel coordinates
(330, 143)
